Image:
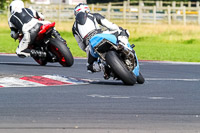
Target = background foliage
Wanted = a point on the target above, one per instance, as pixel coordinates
(106, 1)
(3, 3)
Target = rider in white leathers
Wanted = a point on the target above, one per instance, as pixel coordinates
(87, 25)
(27, 22)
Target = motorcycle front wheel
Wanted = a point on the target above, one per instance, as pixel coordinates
(62, 52)
(140, 79)
(119, 68)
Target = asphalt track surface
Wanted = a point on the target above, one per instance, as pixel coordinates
(168, 102)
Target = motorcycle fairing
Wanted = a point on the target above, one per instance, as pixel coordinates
(98, 38)
(44, 28)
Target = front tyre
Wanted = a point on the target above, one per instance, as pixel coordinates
(140, 79)
(62, 52)
(119, 68)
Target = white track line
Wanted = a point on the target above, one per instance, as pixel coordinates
(128, 97)
(172, 79)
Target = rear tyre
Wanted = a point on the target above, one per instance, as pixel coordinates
(140, 79)
(119, 68)
(62, 52)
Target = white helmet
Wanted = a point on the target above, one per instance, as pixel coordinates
(81, 7)
(16, 6)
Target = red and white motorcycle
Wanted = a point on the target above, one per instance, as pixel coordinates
(55, 50)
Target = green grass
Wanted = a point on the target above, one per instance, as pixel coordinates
(7, 44)
(167, 52)
(72, 44)
(161, 48)
(168, 43)
(165, 42)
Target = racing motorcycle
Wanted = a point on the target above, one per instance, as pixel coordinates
(55, 50)
(115, 59)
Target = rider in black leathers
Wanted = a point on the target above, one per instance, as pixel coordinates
(27, 22)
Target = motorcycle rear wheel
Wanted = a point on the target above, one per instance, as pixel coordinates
(62, 52)
(119, 68)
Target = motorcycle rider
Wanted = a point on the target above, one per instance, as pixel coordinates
(88, 24)
(27, 22)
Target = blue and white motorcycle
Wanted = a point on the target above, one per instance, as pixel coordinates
(116, 60)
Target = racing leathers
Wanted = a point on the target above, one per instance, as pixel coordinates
(26, 22)
(87, 25)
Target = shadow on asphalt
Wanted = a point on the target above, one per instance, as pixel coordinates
(22, 64)
(108, 82)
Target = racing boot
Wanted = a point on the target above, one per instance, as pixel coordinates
(24, 53)
(38, 53)
(93, 67)
(90, 68)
